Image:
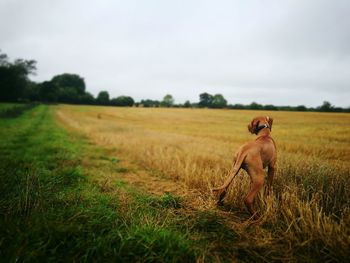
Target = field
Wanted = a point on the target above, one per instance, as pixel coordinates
(84, 183)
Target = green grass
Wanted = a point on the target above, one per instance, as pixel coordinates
(52, 209)
(4, 105)
(11, 110)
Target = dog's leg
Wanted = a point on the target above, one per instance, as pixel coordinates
(221, 196)
(221, 191)
(270, 175)
(257, 181)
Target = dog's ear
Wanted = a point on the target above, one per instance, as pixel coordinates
(252, 126)
(270, 121)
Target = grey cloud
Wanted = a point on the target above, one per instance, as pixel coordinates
(292, 52)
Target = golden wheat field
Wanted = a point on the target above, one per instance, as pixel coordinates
(193, 148)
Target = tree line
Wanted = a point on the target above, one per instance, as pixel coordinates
(15, 86)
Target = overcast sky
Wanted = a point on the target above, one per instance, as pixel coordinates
(278, 52)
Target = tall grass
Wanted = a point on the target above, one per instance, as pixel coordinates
(308, 213)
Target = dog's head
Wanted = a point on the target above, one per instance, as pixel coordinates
(259, 123)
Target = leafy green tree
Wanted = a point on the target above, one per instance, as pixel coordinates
(326, 107)
(149, 103)
(103, 98)
(300, 108)
(270, 107)
(87, 98)
(72, 81)
(238, 106)
(205, 100)
(68, 95)
(168, 101)
(187, 104)
(14, 77)
(70, 87)
(48, 92)
(218, 101)
(123, 101)
(255, 106)
(32, 92)
(4, 61)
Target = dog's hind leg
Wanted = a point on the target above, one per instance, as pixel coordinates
(257, 181)
(270, 175)
(221, 195)
(221, 191)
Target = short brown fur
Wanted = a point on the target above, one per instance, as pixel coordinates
(253, 157)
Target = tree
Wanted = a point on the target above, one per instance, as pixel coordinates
(72, 81)
(255, 106)
(68, 95)
(123, 101)
(149, 103)
(14, 77)
(187, 104)
(237, 106)
(4, 60)
(168, 101)
(87, 98)
(300, 108)
(218, 101)
(70, 87)
(103, 98)
(326, 107)
(32, 92)
(270, 107)
(205, 100)
(48, 92)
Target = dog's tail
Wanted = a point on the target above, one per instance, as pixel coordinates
(234, 171)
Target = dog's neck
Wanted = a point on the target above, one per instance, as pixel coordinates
(263, 130)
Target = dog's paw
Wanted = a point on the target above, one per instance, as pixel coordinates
(220, 203)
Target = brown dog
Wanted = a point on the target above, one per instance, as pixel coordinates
(254, 157)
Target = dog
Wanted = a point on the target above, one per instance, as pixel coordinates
(254, 157)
